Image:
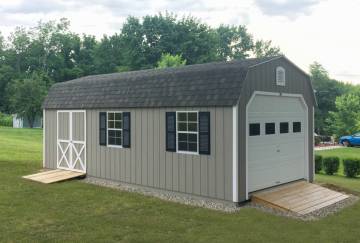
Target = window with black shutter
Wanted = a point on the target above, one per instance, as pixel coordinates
(188, 132)
(126, 130)
(204, 133)
(171, 131)
(102, 128)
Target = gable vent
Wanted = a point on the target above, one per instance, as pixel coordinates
(280, 76)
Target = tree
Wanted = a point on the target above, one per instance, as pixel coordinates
(145, 41)
(346, 119)
(19, 43)
(7, 73)
(195, 41)
(86, 58)
(326, 91)
(26, 97)
(160, 36)
(132, 38)
(265, 49)
(2, 49)
(234, 42)
(168, 60)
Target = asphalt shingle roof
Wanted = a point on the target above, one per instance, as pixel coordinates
(210, 84)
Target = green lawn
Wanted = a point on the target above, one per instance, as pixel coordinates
(339, 179)
(75, 211)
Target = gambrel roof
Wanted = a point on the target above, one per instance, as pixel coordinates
(210, 84)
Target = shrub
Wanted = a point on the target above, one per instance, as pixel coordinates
(5, 120)
(318, 163)
(351, 167)
(331, 164)
(317, 140)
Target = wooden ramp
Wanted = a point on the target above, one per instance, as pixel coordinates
(53, 176)
(299, 197)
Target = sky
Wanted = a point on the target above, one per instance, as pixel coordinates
(326, 31)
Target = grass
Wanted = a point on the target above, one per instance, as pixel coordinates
(75, 211)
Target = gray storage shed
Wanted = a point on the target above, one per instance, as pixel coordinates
(216, 130)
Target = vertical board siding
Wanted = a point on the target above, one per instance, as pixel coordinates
(262, 78)
(50, 139)
(147, 162)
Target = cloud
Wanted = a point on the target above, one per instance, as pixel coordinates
(31, 7)
(117, 8)
(288, 8)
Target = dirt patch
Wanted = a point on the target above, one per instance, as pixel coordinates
(339, 189)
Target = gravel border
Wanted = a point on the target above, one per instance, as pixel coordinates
(166, 195)
(217, 204)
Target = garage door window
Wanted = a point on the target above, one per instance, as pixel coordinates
(270, 128)
(254, 129)
(296, 127)
(284, 127)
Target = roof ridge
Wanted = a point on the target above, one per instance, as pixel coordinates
(180, 68)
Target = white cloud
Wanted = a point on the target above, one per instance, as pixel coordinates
(306, 30)
(289, 8)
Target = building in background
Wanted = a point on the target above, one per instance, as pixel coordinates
(19, 122)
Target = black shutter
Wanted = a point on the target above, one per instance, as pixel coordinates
(102, 128)
(204, 132)
(126, 129)
(171, 131)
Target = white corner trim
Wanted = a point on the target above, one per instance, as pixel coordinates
(313, 143)
(235, 155)
(44, 122)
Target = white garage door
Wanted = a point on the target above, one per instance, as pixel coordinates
(276, 141)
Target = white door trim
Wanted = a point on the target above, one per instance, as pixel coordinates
(235, 155)
(306, 132)
(44, 147)
(74, 155)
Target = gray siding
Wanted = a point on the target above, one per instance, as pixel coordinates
(147, 163)
(50, 139)
(262, 78)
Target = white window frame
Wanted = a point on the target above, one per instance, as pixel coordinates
(278, 81)
(177, 133)
(113, 129)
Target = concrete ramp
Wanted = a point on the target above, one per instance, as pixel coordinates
(53, 176)
(298, 197)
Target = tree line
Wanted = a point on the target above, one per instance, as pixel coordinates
(338, 104)
(32, 59)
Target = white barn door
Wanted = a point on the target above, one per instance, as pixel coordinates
(71, 140)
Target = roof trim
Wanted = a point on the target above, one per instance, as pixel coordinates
(270, 60)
